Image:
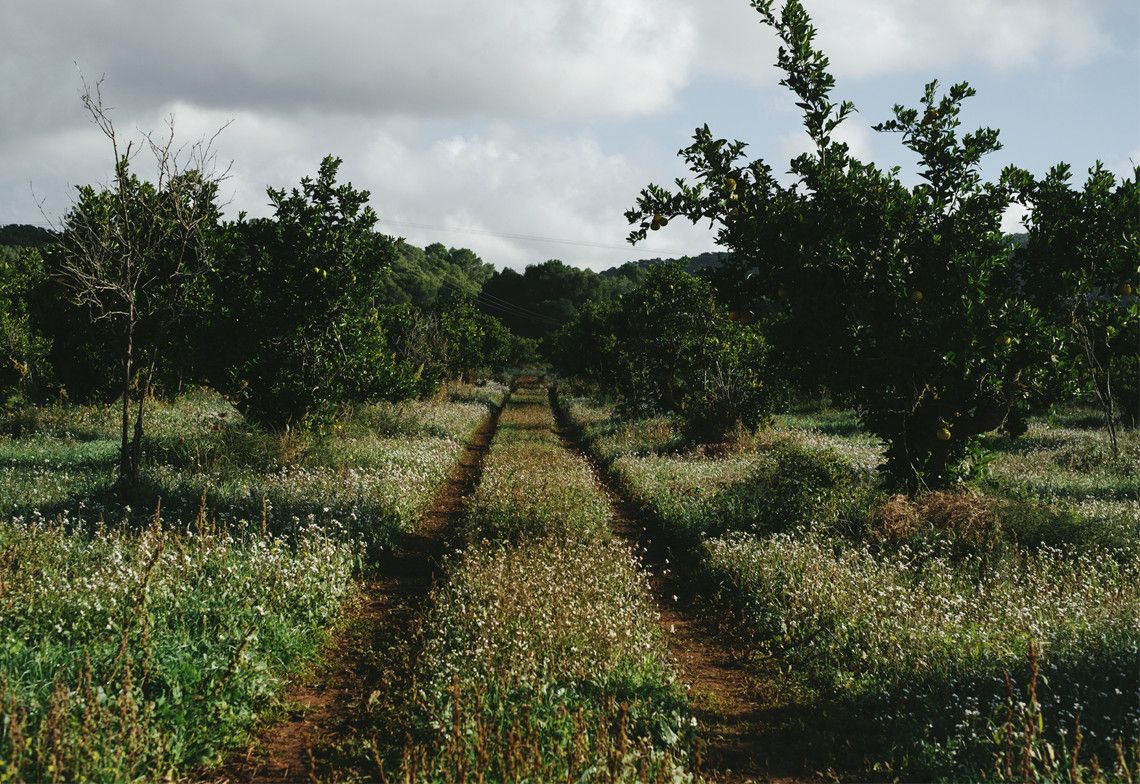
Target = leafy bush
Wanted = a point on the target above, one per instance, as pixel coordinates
(902, 301)
(27, 369)
(669, 347)
(298, 320)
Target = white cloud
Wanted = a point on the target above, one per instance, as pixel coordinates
(501, 181)
(874, 37)
(1013, 219)
(877, 37)
(465, 186)
(472, 115)
(544, 58)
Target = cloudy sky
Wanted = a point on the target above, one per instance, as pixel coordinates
(489, 123)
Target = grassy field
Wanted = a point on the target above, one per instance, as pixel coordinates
(541, 655)
(992, 631)
(140, 639)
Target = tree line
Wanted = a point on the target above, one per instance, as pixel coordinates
(145, 287)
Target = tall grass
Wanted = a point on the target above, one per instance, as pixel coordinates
(541, 655)
(135, 644)
(931, 618)
(128, 655)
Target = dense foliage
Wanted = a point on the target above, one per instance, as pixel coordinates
(951, 636)
(1080, 269)
(900, 300)
(669, 346)
(298, 300)
(294, 317)
(27, 368)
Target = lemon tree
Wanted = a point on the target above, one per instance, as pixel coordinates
(298, 300)
(670, 347)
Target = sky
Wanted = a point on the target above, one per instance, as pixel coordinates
(524, 129)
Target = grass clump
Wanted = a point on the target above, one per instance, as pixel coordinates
(766, 483)
(544, 662)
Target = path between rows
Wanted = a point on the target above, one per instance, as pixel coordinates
(742, 723)
(329, 709)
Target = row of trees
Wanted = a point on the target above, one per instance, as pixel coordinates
(908, 303)
(292, 317)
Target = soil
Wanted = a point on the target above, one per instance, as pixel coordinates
(330, 711)
(748, 729)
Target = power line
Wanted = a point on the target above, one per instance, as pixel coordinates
(506, 311)
(502, 301)
(492, 302)
(501, 235)
(525, 237)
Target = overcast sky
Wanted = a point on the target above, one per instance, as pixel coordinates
(534, 117)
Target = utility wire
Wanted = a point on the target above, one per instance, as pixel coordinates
(492, 302)
(526, 237)
(505, 311)
(520, 308)
(502, 235)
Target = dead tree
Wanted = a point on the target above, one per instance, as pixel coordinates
(128, 250)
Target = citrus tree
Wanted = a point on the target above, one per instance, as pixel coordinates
(298, 298)
(898, 299)
(24, 349)
(1079, 267)
(670, 347)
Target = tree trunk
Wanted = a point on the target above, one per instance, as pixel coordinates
(1102, 384)
(125, 472)
(136, 446)
(145, 390)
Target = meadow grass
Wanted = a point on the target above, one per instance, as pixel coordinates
(127, 655)
(136, 643)
(909, 614)
(541, 655)
(531, 485)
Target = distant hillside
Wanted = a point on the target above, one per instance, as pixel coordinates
(424, 277)
(710, 260)
(24, 236)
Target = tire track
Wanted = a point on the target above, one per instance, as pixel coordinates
(741, 722)
(331, 713)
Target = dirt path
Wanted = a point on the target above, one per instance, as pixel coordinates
(742, 720)
(330, 712)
